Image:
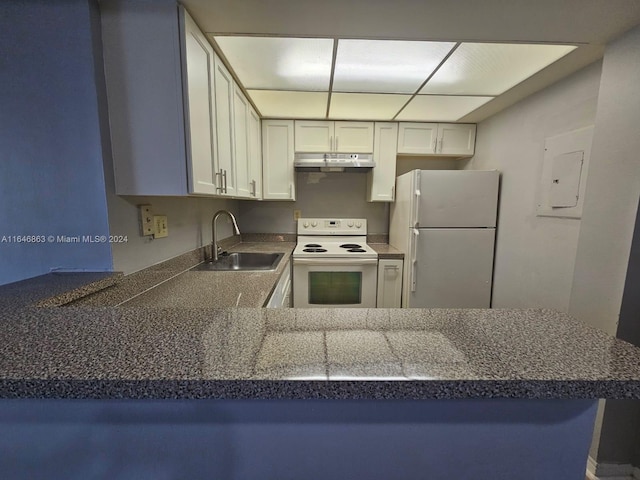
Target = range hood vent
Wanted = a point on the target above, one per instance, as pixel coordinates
(333, 162)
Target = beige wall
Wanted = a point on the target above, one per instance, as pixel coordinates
(534, 255)
(613, 189)
(317, 195)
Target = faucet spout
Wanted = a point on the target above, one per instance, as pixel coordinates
(214, 242)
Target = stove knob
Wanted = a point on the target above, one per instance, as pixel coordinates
(305, 224)
(350, 224)
(314, 224)
(358, 225)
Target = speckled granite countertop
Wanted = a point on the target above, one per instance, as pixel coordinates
(84, 351)
(171, 284)
(386, 251)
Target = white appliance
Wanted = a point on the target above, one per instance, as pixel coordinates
(332, 264)
(444, 222)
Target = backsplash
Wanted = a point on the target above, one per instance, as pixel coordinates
(318, 194)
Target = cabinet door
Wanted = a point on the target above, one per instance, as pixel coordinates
(255, 154)
(224, 95)
(417, 138)
(199, 109)
(241, 142)
(353, 137)
(381, 179)
(456, 139)
(277, 156)
(312, 136)
(389, 283)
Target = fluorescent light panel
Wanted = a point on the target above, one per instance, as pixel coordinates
(279, 104)
(386, 66)
(491, 68)
(434, 108)
(277, 63)
(365, 106)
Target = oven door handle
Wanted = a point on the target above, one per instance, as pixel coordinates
(335, 261)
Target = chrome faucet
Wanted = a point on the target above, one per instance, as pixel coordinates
(214, 244)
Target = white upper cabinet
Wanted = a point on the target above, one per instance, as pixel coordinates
(333, 137)
(353, 137)
(456, 139)
(199, 104)
(277, 160)
(224, 95)
(172, 106)
(381, 180)
(313, 137)
(145, 97)
(417, 138)
(255, 154)
(241, 142)
(442, 139)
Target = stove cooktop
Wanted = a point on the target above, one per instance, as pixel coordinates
(333, 238)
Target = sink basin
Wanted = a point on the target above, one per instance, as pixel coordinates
(243, 261)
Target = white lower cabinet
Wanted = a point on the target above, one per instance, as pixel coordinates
(381, 180)
(389, 283)
(281, 296)
(277, 160)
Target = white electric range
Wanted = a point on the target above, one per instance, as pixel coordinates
(332, 264)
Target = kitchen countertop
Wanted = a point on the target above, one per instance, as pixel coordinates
(386, 251)
(84, 351)
(171, 284)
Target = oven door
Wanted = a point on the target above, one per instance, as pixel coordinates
(332, 282)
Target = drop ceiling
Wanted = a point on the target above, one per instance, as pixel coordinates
(432, 60)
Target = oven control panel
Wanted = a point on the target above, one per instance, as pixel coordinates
(332, 226)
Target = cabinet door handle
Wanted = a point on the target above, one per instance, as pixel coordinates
(337, 143)
(224, 176)
(290, 190)
(393, 193)
(253, 183)
(331, 142)
(435, 146)
(441, 140)
(219, 181)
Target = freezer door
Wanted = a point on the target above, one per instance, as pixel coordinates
(458, 198)
(453, 268)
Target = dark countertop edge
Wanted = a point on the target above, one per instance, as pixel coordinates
(314, 389)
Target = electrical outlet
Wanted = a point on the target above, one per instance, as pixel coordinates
(146, 220)
(297, 214)
(161, 228)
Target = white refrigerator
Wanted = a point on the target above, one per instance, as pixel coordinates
(444, 221)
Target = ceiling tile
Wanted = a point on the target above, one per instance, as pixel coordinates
(366, 106)
(386, 66)
(279, 104)
(275, 63)
(491, 68)
(440, 108)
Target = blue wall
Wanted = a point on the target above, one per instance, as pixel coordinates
(51, 171)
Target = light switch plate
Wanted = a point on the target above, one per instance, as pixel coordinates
(161, 228)
(146, 220)
(297, 214)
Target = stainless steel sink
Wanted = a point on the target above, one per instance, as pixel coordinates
(243, 261)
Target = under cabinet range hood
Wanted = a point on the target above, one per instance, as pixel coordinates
(333, 162)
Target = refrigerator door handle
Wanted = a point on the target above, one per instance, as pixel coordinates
(416, 207)
(414, 259)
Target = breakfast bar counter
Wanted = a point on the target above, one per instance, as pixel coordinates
(385, 393)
